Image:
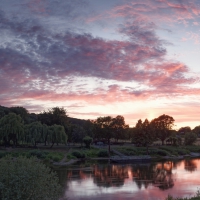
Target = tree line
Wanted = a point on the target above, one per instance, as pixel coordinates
(54, 126)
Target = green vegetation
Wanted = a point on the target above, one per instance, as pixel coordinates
(26, 178)
(103, 153)
(159, 151)
(190, 138)
(87, 140)
(197, 197)
(46, 155)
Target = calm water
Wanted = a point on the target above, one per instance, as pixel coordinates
(153, 181)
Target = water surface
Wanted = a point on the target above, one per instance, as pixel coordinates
(148, 181)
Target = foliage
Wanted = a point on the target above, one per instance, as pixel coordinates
(162, 126)
(92, 152)
(190, 138)
(33, 133)
(103, 153)
(57, 134)
(143, 134)
(78, 154)
(26, 178)
(119, 127)
(11, 128)
(87, 140)
(78, 134)
(196, 130)
(53, 116)
(21, 111)
(184, 130)
(37, 153)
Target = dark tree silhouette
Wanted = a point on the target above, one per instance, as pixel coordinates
(162, 126)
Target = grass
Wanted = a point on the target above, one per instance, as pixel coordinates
(158, 151)
(40, 154)
(196, 197)
(58, 153)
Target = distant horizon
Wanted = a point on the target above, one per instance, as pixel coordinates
(99, 58)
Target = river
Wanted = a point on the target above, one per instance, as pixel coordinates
(147, 181)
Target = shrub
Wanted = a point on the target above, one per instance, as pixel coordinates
(2, 154)
(162, 152)
(56, 158)
(190, 138)
(87, 140)
(78, 154)
(37, 153)
(27, 178)
(103, 153)
(69, 156)
(183, 151)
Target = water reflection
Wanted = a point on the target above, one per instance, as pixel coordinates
(190, 165)
(133, 178)
(110, 176)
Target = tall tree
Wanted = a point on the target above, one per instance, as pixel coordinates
(11, 128)
(34, 133)
(105, 126)
(184, 130)
(143, 134)
(162, 126)
(23, 112)
(119, 126)
(196, 130)
(78, 133)
(53, 116)
(57, 134)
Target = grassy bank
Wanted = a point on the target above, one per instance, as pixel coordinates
(158, 151)
(65, 154)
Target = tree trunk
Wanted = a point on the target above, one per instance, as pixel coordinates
(109, 147)
(52, 144)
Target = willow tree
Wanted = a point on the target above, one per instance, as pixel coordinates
(11, 128)
(57, 134)
(34, 133)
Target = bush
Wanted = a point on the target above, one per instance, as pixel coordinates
(103, 153)
(69, 156)
(78, 154)
(183, 151)
(27, 178)
(87, 140)
(190, 138)
(161, 152)
(2, 154)
(170, 150)
(56, 158)
(37, 153)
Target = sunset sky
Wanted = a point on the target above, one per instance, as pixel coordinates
(139, 59)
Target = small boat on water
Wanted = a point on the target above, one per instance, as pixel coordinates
(130, 159)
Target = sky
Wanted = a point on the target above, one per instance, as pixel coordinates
(139, 59)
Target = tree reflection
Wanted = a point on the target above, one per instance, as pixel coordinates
(110, 176)
(190, 165)
(159, 175)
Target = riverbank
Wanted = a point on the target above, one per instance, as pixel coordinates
(67, 155)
